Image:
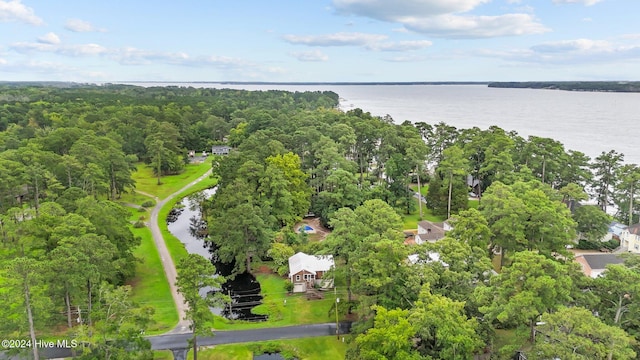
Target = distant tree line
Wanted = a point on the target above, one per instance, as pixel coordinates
(610, 86)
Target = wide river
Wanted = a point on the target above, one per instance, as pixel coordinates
(590, 122)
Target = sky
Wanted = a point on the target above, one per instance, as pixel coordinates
(319, 40)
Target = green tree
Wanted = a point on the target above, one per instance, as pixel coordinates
(23, 293)
(453, 163)
(382, 275)
(280, 253)
(524, 290)
(574, 333)
(119, 327)
(605, 167)
(470, 227)
(629, 175)
(618, 290)
(352, 227)
(443, 329)
(284, 188)
(195, 273)
(390, 338)
(593, 223)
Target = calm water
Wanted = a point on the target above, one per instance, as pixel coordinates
(185, 223)
(590, 122)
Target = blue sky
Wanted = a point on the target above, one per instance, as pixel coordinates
(319, 40)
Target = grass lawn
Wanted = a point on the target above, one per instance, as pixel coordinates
(423, 189)
(150, 286)
(410, 222)
(148, 183)
(317, 348)
(295, 311)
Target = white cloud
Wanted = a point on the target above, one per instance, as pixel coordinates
(15, 11)
(398, 9)
(310, 56)
(578, 51)
(336, 39)
(585, 2)
(68, 50)
(578, 45)
(77, 25)
(400, 45)
(49, 38)
(409, 58)
(454, 26)
(444, 18)
(3, 61)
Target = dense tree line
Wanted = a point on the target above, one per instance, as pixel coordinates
(68, 153)
(354, 171)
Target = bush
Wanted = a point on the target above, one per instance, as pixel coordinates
(588, 245)
(139, 224)
(148, 203)
(611, 244)
(288, 285)
(141, 209)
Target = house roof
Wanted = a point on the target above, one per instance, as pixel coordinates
(430, 257)
(600, 261)
(634, 229)
(434, 231)
(310, 263)
(616, 228)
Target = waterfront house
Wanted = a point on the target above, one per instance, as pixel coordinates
(594, 264)
(630, 239)
(307, 271)
(614, 231)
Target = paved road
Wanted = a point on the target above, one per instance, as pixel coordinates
(167, 261)
(179, 341)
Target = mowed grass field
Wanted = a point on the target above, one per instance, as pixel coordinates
(283, 309)
(150, 286)
(317, 348)
(148, 183)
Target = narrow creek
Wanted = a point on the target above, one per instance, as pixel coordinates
(185, 223)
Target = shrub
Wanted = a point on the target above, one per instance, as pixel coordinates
(288, 285)
(141, 209)
(148, 203)
(139, 224)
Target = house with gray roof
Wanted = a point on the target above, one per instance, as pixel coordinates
(430, 232)
(593, 265)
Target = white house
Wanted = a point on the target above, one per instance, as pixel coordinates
(430, 232)
(630, 238)
(307, 271)
(614, 232)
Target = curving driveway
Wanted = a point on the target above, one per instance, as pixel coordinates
(167, 261)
